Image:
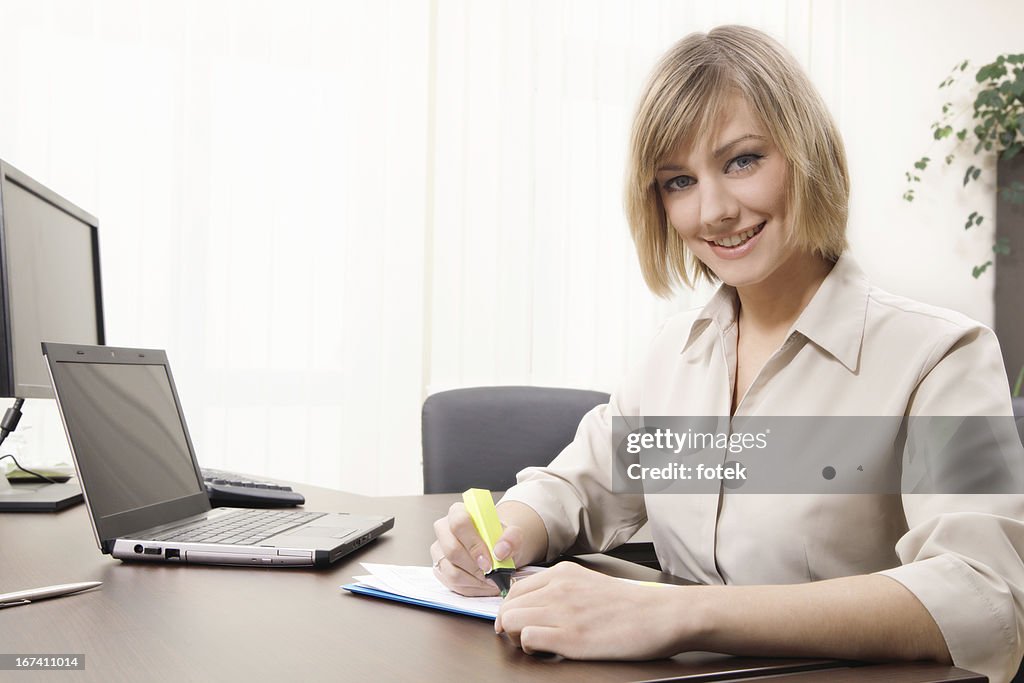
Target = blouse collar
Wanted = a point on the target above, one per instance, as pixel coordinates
(834, 318)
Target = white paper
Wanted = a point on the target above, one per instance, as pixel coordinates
(419, 583)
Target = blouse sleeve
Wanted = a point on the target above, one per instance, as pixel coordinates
(962, 554)
(574, 495)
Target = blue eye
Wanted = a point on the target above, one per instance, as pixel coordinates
(678, 183)
(745, 161)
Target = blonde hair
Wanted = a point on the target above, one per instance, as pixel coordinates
(685, 99)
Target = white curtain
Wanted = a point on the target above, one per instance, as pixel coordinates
(326, 210)
(531, 271)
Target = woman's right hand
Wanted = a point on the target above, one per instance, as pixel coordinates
(461, 557)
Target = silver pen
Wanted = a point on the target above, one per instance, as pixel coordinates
(25, 597)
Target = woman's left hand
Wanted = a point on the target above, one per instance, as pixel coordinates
(580, 614)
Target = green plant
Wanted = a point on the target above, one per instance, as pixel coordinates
(997, 116)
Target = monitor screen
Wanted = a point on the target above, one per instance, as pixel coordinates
(50, 281)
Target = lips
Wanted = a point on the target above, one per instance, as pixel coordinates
(742, 243)
(738, 239)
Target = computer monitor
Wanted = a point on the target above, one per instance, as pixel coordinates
(49, 281)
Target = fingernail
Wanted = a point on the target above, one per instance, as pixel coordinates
(482, 562)
(502, 550)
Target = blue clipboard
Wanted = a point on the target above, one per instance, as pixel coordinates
(361, 589)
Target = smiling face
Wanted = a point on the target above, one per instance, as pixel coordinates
(727, 198)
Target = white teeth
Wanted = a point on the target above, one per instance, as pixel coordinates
(736, 240)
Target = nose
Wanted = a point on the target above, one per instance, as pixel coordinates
(718, 206)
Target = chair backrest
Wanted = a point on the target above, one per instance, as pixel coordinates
(484, 436)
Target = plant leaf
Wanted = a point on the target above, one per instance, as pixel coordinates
(991, 71)
(978, 270)
(1017, 87)
(989, 98)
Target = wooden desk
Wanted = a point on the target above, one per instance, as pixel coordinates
(201, 623)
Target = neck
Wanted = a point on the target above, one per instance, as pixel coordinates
(774, 304)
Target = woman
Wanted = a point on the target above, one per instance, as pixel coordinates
(737, 173)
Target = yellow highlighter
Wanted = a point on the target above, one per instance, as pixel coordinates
(480, 505)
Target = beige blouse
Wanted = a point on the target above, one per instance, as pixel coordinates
(854, 351)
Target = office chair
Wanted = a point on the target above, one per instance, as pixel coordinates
(482, 436)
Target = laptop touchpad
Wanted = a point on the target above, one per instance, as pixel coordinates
(320, 532)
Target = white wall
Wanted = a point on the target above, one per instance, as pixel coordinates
(325, 210)
(894, 56)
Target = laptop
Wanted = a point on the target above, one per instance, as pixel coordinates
(141, 479)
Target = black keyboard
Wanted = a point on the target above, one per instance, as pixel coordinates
(228, 489)
(240, 528)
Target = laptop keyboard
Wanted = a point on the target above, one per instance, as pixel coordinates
(245, 527)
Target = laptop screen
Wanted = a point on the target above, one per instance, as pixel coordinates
(128, 438)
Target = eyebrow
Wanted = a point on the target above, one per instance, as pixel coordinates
(717, 153)
(725, 148)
